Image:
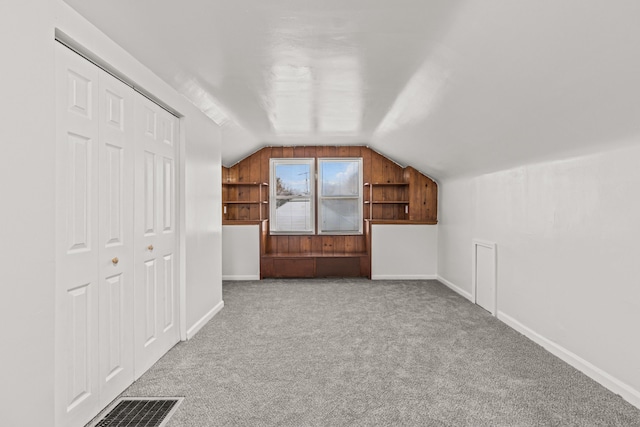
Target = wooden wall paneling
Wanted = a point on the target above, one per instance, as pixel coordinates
(225, 194)
(316, 244)
(294, 244)
(298, 151)
(265, 155)
(338, 267)
(366, 178)
(287, 152)
(389, 170)
(266, 267)
(377, 174)
(244, 212)
(309, 151)
(366, 164)
(423, 199)
(232, 173)
(276, 152)
(243, 169)
(327, 245)
(264, 235)
(271, 244)
(365, 267)
(351, 244)
(377, 210)
(282, 244)
(339, 244)
(365, 264)
(432, 197)
(305, 244)
(292, 267)
(421, 193)
(253, 175)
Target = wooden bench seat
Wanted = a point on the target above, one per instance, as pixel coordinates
(314, 264)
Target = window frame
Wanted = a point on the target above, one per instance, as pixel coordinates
(273, 197)
(359, 198)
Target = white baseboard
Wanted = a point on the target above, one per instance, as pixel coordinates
(403, 277)
(241, 277)
(627, 392)
(455, 288)
(203, 321)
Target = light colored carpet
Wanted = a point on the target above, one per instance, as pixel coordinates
(354, 352)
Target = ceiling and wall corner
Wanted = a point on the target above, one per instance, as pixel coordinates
(451, 87)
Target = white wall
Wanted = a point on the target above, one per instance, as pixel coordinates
(455, 231)
(203, 222)
(568, 256)
(241, 252)
(27, 231)
(28, 195)
(404, 251)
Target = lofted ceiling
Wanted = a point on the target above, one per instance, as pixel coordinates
(449, 87)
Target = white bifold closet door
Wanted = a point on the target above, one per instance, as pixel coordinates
(101, 288)
(156, 242)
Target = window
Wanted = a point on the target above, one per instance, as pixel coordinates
(340, 196)
(292, 196)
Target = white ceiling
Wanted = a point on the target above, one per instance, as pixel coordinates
(449, 87)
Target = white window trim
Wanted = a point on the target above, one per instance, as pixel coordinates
(273, 162)
(359, 197)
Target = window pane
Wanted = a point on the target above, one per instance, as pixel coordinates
(293, 180)
(340, 215)
(340, 178)
(293, 215)
(292, 189)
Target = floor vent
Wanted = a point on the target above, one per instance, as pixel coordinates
(139, 412)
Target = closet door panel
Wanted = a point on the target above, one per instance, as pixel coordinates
(155, 233)
(77, 241)
(116, 237)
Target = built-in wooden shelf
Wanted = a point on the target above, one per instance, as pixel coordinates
(401, 221)
(236, 211)
(388, 193)
(243, 222)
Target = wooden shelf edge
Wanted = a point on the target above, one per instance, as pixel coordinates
(402, 221)
(386, 202)
(243, 222)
